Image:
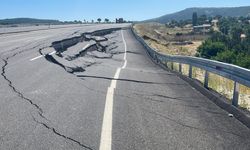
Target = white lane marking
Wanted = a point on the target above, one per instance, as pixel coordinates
(117, 74)
(125, 54)
(86, 46)
(106, 134)
(52, 53)
(36, 58)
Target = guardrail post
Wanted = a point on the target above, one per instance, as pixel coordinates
(172, 65)
(155, 58)
(190, 71)
(166, 64)
(236, 94)
(180, 68)
(206, 79)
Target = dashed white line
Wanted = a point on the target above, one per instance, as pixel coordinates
(36, 58)
(86, 46)
(52, 53)
(106, 134)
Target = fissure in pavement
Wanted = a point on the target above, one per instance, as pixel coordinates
(62, 135)
(32, 103)
(102, 45)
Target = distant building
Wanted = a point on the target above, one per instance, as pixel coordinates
(243, 36)
(119, 20)
(202, 28)
(214, 22)
(188, 26)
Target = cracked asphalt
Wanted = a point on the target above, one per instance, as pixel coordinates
(53, 89)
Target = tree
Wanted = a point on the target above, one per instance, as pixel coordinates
(173, 24)
(210, 49)
(106, 20)
(236, 37)
(243, 60)
(218, 17)
(195, 19)
(99, 20)
(224, 26)
(227, 56)
(202, 19)
(248, 34)
(219, 37)
(228, 45)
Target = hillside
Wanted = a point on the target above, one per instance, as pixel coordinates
(187, 13)
(165, 40)
(28, 21)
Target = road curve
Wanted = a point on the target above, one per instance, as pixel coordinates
(101, 92)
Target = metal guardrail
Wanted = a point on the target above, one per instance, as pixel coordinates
(238, 74)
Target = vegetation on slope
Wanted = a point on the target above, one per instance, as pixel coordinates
(231, 44)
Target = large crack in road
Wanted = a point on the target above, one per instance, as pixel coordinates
(125, 80)
(100, 47)
(43, 120)
(61, 135)
(40, 111)
(19, 94)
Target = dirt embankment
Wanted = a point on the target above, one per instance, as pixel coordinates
(174, 41)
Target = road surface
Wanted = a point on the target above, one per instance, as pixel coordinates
(102, 92)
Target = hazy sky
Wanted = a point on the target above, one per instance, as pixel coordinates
(92, 9)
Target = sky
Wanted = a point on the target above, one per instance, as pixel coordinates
(134, 10)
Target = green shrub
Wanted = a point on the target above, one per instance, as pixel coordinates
(226, 56)
(210, 49)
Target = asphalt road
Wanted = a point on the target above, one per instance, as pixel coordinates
(102, 93)
(11, 30)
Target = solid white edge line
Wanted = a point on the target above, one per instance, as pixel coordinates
(125, 54)
(113, 82)
(106, 133)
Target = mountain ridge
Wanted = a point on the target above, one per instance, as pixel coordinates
(209, 11)
(28, 21)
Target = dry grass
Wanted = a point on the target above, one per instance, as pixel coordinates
(221, 85)
(171, 49)
(164, 39)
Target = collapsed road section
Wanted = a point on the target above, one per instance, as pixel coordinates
(74, 55)
(77, 53)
